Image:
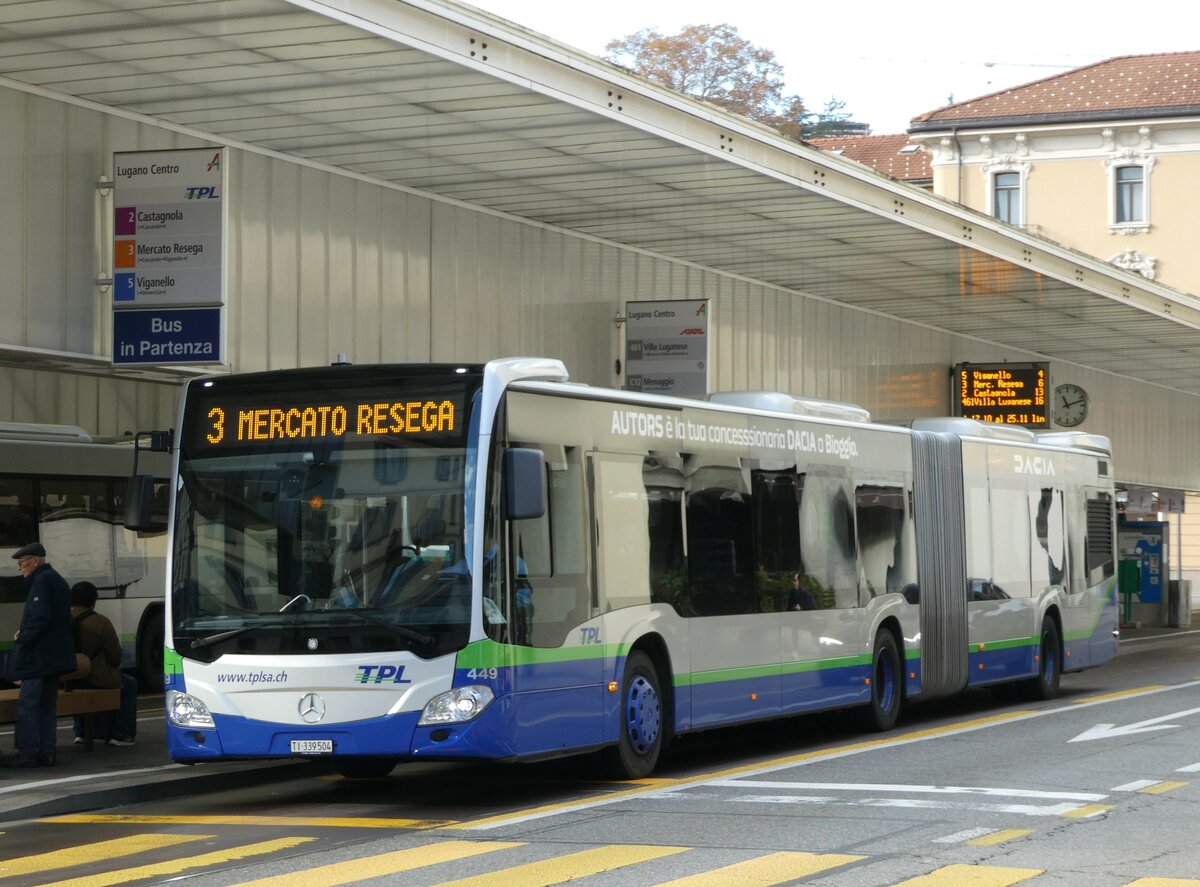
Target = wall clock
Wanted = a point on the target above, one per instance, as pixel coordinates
(1070, 405)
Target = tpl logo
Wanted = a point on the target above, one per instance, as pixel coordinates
(692, 331)
(377, 674)
(201, 192)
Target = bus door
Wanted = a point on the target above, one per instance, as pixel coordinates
(559, 687)
(638, 546)
(735, 654)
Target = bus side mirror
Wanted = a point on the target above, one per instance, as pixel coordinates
(139, 502)
(524, 483)
(139, 493)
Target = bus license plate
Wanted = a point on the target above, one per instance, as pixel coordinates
(312, 746)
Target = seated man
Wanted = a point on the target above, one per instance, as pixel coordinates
(96, 638)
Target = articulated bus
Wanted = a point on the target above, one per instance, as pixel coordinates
(387, 563)
(60, 487)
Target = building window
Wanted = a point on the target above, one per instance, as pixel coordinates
(1129, 182)
(1130, 196)
(1006, 197)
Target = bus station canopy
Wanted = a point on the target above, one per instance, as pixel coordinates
(450, 102)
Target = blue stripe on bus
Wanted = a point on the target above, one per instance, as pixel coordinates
(1001, 664)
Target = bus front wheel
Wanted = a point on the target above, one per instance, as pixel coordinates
(641, 729)
(886, 683)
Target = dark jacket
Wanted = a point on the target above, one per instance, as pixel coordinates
(96, 638)
(44, 646)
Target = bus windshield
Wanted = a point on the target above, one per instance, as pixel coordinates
(297, 532)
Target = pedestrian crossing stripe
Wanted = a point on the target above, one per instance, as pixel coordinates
(1161, 788)
(774, 868)
(1000, 836)
(72, 856)
(560, 869)
(178, 866)
(384, 864)
(975, 875)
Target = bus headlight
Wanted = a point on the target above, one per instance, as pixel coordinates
(185, 710)
(457, 706)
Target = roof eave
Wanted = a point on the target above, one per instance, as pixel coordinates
(1011, 121)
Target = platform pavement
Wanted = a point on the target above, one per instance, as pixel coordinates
(111, 777)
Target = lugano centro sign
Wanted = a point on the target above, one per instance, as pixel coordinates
(168, 264)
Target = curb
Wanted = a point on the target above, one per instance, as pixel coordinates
(59, 797)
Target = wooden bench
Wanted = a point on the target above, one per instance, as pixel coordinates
(85, 702)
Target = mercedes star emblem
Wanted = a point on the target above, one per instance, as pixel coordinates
(312, 708)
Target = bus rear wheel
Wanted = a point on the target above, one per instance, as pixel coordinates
(1045, 685)
(886, 685)
(641, 729)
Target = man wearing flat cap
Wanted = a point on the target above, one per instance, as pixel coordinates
(43, 651)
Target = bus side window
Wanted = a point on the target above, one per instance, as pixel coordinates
(776, 500)
(1048, 542)
(882, 551)
(720, 540)
(827, 539)
(18, 512)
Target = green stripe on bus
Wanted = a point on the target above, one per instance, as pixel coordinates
(489, 654)
(1096, 616)
(1007, 644)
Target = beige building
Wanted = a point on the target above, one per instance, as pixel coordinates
(1103, 159)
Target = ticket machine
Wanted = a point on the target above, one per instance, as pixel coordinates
(1142, 551)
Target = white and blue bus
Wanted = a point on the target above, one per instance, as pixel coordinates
(61, 487)
(389, 563)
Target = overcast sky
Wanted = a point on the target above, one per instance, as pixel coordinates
(889, 62)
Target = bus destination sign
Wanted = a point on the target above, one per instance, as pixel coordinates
(242, 424)
(1004, 393)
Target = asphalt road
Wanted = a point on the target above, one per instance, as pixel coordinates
(1096, 788)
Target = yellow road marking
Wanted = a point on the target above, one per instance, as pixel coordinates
(1120, 694)
(972, 876)
(285, 821)
(175, 866)
(1161, 788)
(566, 868)
(863, 745)
(1087, 810)
(382, 865)
(69, 856)
(775, 868)
(1164, 882)
(1008, 834)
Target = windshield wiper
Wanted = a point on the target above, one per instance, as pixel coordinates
(401, 630)
(201, 643)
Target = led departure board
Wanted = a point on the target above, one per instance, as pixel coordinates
(1004, 393)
